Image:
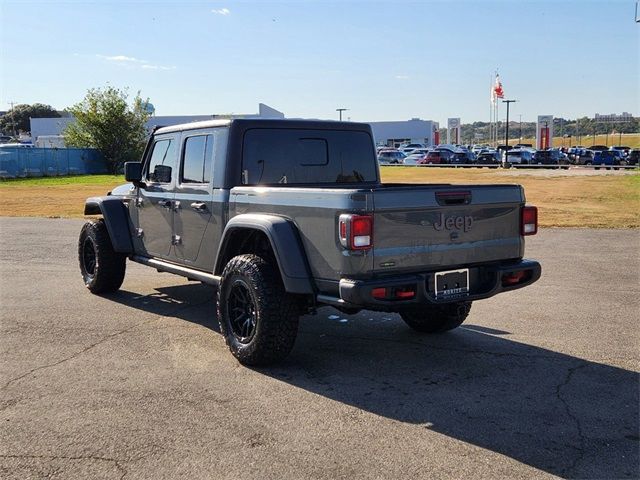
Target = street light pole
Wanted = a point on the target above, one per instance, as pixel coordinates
(506, 130)
(340, 110)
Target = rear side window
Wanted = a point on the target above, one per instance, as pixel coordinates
(197, 158)
(301, 156)
(163, 156)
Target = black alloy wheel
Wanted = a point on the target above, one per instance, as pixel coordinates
(242, 310)
(88, 257)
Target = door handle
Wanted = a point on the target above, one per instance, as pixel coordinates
(165, 203)
(199, 206)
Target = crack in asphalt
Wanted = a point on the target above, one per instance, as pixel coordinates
(118, 463)
(99, 342)
(576, 420)
(76, 354)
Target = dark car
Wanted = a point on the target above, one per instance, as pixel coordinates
(598, 148)
(634, 156)
(607, 158)
(488, 158)
(619, 154)
(462, 158)
(547, 157)
(583, 157)
(621, 148)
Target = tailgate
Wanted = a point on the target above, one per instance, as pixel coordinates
(422, 227)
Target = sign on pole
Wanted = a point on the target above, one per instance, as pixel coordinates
(544, 132)
(453, 131)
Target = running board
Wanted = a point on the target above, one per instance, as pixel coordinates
(177, 269)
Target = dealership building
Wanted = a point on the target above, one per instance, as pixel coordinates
(385, 133)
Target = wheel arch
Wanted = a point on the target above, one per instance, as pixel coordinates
(244, 234)
(116, 219)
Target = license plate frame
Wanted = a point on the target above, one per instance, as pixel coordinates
(443, 282)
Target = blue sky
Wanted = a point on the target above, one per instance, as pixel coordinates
(381, 60)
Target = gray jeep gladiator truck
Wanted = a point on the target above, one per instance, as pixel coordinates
(285, 216)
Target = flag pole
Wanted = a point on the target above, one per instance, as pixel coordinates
(490, 108)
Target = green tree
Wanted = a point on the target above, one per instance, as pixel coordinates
(106, 121)
(16, 120)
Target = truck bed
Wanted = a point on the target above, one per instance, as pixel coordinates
(417, 227)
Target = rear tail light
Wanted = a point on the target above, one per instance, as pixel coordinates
(356, 231)
(529, 221)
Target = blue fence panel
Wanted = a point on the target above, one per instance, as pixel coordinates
(39, 162)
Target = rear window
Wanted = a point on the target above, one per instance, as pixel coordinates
(301, 156)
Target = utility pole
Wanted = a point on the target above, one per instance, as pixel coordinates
(340, 110)
(506, 130)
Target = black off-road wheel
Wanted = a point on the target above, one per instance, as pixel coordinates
(258, 318)
(437, 318)
(102, 269)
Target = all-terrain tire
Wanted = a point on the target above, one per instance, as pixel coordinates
(102, 269)
(258, 318)
(437, 318)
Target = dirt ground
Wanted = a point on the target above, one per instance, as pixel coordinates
(565, 198)
(568, 198)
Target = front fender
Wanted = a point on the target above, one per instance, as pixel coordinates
(116, 219)
(285, 243)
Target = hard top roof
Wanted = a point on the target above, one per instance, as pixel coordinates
(246, 123)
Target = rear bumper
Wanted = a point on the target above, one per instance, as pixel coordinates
(485, 282)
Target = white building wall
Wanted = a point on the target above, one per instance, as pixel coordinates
(414, 131)
(55, 126)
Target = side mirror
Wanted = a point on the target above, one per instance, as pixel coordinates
(133, 172)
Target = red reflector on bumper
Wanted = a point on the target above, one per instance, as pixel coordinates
(515, 278)
(393, 293)
(404, 294)
(379, 293)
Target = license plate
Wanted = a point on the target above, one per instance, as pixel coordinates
(452, 283)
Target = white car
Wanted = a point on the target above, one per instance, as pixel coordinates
(16, 145)
(411, 147)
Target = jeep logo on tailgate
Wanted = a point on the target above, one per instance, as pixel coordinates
(451, 223)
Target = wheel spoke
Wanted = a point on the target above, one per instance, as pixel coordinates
(242, 311)
(89, 257)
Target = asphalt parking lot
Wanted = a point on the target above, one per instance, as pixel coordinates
(540, 382)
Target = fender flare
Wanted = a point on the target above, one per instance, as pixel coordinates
(286, 245)
(116, 219)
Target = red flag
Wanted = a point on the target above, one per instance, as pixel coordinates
(497, 91)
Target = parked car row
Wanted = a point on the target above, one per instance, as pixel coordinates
(419, 154)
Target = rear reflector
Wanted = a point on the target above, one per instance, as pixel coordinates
(404, 292)
(529, 220)
(514, 278)
(379, 293)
